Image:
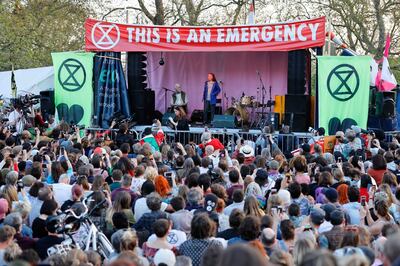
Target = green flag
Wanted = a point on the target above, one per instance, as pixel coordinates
(343, 91)
(73, 87)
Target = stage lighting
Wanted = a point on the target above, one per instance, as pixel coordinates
(161, 62)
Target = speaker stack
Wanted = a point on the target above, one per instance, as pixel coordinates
(47, 103)
(142, 99)
(382, 113)
(297, 104)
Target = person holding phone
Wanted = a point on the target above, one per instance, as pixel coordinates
(352, 208)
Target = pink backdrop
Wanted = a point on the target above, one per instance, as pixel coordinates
(237, 70)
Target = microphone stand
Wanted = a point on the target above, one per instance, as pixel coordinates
(262, 95)
(166, 90)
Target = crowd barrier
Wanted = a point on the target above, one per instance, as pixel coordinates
(285, 142)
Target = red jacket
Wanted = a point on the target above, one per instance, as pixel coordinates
(213, 142)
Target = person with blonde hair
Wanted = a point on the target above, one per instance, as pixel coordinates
(150, 174)
(251, 207)
(23, 208)
(129, 243)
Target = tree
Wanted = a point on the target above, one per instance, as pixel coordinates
(181, 12)
(32, 29)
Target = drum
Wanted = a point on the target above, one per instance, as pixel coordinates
(240, 113)
(246, 100)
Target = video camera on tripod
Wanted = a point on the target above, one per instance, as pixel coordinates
(25, 102)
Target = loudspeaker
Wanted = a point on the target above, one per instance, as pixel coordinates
(383, 103)
(47, 103)
(165, 118)
(197, 116)
(143, 105)
(224, 121)
(136, 71)
(297, 103)
(297, 72)
(297, 121)
(389, 104)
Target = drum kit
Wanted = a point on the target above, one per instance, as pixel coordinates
(249, 112)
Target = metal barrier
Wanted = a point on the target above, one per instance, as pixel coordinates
(285, 142)
(389, 135)
(228, 137)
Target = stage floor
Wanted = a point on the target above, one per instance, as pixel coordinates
(199, 130)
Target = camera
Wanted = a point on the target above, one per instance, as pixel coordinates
(312, 131)
(215, 178)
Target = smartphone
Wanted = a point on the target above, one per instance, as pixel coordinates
(168, 176)
(363, 199)
(339, 159)
(273, 191)
(274, 210)
(280, 209)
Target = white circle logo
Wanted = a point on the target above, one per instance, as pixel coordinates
(105, 41)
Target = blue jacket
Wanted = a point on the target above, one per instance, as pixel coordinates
(214, 92)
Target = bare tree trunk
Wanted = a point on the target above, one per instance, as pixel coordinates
(159, 17)
(381, 27)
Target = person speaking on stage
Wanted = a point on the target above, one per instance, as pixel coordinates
(210, 95)
(179, 98)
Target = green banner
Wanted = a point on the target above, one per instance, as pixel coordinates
(73, 87)
(343, 91)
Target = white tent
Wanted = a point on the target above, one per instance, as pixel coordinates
(32, 80)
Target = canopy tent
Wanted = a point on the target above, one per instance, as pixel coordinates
(31, 80)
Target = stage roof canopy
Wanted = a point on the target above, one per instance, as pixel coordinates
(106, 36)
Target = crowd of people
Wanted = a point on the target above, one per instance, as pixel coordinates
(168, 204)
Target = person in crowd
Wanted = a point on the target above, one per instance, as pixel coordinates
(201, 231)
(51, 239)
(191, 203)
(161, 228)
(181, 218)
(116, 179)
(235, 219)
(76, 197)
(335, 235)
(122, 203)
(49, 208)
(378, 168)
(125, 186)
(237, 202)
(153, 201)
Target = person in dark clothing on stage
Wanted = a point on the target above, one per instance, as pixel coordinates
(210, 94)
(180, 123)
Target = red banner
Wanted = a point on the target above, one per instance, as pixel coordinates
(106, 36)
